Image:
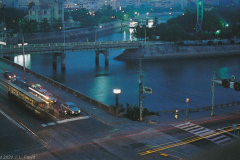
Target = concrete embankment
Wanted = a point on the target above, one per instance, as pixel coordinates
(172, 52)
(71, 35)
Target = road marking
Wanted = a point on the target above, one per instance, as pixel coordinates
(12, 120)
(64, 121)
(73, 119)
(44, 125)
(51, 123)
(210, 135)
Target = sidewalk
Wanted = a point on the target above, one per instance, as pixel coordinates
(194, 117)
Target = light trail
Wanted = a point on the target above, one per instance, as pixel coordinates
(224, 130)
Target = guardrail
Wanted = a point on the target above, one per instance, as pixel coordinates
(201, 108)
(109, 109)
(76, 44)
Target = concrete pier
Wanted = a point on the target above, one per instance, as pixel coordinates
(63, 61)
(106, 53)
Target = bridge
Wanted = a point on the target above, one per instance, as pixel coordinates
(60, 49)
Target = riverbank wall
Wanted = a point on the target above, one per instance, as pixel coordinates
(71, 35)
(172, 52)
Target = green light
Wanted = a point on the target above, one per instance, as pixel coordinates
(226, 25)
(217, 32)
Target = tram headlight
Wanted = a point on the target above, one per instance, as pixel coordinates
(72, 112)
(79, 111)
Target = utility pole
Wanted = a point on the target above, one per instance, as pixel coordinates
(64, 37)
(199, 15)
(140, 84)
(213, 92)
(23, 57)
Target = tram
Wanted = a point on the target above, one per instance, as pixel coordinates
(24, 97)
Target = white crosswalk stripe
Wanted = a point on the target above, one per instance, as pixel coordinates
(211, 135)
(65, 121)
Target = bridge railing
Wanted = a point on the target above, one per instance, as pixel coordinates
(76, 44)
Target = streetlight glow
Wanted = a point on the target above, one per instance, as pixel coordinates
(117, 91)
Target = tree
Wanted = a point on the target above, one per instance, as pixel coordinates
(12, 18)
(29, 27)
(30, 5)
(57, 24)
(45, 26)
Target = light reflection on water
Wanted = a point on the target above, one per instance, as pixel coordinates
(172, 81)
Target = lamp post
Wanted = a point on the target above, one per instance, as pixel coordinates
(145, 32)
(187, 100)
(64, 37)
(23, 44)
(213, 92)
(117, 91)
(2, 42)
(217, 33)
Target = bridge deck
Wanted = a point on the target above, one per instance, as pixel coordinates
(74, 46)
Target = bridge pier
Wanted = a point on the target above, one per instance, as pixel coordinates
(54, 61)
(106, 53)
(63, 62)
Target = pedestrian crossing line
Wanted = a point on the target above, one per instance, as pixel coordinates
(211, 135)
(206, 133)
(217, 138)
(190, 128)
(203, 131)
(184, 125)
(198, 129)
(64, 121)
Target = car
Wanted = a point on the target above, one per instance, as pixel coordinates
(18, 79)
(69, 108)
(39, 88)
(9, 75)
(51, 97)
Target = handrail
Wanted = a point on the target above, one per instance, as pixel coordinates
(77, 43)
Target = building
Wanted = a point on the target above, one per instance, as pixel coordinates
(47, 9)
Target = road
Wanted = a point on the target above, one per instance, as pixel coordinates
(27, 135)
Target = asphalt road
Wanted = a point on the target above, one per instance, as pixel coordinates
(25, 135)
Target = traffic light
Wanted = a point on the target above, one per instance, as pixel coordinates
(225, 83)
(236, 86)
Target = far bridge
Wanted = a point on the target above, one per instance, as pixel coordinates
(60, 49)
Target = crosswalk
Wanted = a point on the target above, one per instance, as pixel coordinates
(214, 136)
(64, 121)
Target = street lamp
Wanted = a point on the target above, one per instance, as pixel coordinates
(64, 37)
(217, 33)
(96, 32)
(23, 44)
(187, 101)
(213, 92)
(145, 32)
(117, 92)
(2, 42)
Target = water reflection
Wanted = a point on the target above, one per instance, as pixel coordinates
(19, 60)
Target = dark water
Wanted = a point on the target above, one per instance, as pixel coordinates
(172, 81)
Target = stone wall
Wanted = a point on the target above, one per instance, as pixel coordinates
(177, 51)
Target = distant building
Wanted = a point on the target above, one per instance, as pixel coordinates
(19, 4)
(47, 9)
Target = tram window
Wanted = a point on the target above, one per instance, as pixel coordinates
(41, 105)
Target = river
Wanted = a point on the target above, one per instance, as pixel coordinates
(171, 81)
